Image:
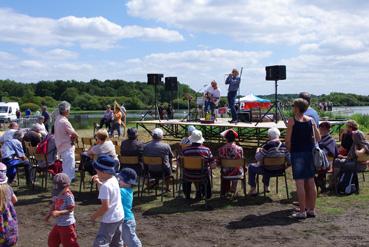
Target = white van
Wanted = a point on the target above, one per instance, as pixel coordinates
(8, 111)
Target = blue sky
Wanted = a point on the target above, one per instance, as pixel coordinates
(323, 43)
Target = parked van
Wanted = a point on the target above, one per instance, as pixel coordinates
(8, 111)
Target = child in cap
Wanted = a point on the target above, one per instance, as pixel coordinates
(111, 209)
(128, 178)
(62, 209)
(8, 216)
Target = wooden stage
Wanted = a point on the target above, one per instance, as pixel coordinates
(250, 134)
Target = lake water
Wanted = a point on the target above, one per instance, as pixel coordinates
(350, 110)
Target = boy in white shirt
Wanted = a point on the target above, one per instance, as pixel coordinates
(111, 209)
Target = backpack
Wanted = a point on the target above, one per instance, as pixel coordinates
(348, 183)
(320, 159)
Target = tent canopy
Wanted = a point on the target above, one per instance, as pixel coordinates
(251, 101)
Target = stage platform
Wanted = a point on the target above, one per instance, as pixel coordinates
(251, 135)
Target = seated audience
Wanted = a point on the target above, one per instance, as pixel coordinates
(329, 146)
(33, 135)
(359, 147)
(346, 137)
(273, 148)
(132, 147)
(198, 149)
(157, 148)
(13, 156)
(13, 127)
(186, 139)
(233, 152)
(40, 123)
(103, 146)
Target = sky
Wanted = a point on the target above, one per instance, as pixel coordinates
(323, 43)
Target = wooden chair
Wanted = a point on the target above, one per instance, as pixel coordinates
(190, 164)
(274, 164)
(155, 165)
(362, 162)
(87, 142)
(132, 162)
(237, 163)
(41, 170)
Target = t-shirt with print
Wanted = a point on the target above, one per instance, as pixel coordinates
(127, 200)
(110, 191)
(61, 202)
(105, 148)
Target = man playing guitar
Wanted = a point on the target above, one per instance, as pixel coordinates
(212, 97)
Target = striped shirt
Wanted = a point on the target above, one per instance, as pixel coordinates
(199, 151)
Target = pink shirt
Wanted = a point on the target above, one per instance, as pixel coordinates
(63, 130)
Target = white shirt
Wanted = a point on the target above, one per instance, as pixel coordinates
(215, 93)
(110, 191)
(105, 148)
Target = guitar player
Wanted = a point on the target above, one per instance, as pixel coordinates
(212, 97)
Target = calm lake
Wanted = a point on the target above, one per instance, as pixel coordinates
(351, 110)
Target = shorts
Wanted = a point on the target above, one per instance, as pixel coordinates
(302, 165)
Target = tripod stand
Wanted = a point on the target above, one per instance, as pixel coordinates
(155, 106)
(277, 107)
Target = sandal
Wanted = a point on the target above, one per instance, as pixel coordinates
(299, 215)
(310, 213)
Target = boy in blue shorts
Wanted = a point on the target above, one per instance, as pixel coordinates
(128, 178)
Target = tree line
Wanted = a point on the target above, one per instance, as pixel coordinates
(92, 95)
(96, 94)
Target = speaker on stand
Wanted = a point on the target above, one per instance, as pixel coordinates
(155, 80)
(171, 85)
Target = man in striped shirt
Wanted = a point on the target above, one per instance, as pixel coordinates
(197, 149)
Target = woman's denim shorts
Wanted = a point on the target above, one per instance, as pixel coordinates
(302, 165)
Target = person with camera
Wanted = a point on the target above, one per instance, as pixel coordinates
(233, 80)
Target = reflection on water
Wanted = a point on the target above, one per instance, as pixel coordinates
(86, 121)
(347, 110)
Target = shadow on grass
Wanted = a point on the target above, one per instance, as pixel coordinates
(181, 205)
(277, 218)
(87, 198)
(35, 200)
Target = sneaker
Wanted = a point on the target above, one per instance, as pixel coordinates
(299, 215)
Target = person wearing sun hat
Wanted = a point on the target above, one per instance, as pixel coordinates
(186, 139)
(62, 209)
(111, 209)
(128, 178)
(230, 151)
(8, 216)
(198, 149)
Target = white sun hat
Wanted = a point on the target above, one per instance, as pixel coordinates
(196, 137)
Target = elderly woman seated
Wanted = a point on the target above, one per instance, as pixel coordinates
(103, 146)
(273, 148)
(186, 139)
(233, 152)
(357, 155)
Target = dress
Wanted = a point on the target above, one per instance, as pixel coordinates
(8, 223)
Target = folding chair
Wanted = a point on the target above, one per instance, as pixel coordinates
(87, 142)
(237, 163)
(42, 170)
(362, 165)
(132, 162)
(276, 166)
(194, 171)
(155, 165)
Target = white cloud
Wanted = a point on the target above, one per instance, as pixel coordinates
(94, 32)
(54, 54)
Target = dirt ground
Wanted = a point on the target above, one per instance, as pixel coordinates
(251, 221)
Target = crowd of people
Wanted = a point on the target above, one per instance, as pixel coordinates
(115, 185)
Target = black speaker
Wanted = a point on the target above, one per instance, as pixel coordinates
(171, 84)
(275, 72)
(244, 117)
(154, 79)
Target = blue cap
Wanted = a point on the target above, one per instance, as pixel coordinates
(128, 176)
(105, 163)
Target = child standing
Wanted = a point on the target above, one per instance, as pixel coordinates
(128, 178)
(62, 209)
(8, 216)
(111, 209)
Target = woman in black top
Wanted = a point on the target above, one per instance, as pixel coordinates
(300, 141)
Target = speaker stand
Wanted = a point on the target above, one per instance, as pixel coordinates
(153, 107)
(276, 106)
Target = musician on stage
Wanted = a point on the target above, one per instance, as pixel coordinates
(233, 80)
(212, 97)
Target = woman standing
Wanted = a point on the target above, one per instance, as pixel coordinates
(302, 133)
(117, 120)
